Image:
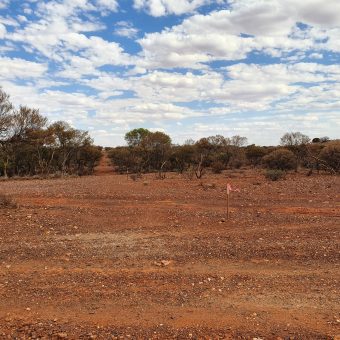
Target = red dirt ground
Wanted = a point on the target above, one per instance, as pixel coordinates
(82, 258)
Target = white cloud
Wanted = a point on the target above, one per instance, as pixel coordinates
(125, 29)
(14, 68)
(111, 5)
(159, 8)
(177, 48)
(318, 12)
(4, 4)
(2, 31)
(59, 36)
(272, 27)
(9, 21)
(95, 52)
(70, 48)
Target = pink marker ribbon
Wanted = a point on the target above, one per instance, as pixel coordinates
(230, 189)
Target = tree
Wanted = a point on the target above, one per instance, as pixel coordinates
(294, 139)
(135, 137)
(218, 141)
(126, 159)
(28, 146)
(87, 157)
(296, 142)
(17, 139)
(26, 121)
(6, 109)
(157, 147)
(182, 156)
(67, 141)
(324, 139)
(254, 154)
(146, 151)
(238, 141)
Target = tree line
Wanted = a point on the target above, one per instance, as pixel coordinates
(148, 151)
(30, 146)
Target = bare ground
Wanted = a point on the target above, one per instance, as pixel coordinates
(106, 257)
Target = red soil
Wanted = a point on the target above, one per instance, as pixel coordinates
(81, 258)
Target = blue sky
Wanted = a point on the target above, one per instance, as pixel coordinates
(190, 68)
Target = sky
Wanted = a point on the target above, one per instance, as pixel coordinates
(189, 68)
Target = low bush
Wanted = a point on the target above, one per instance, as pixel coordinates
(217, 167)
(281, 159)
(331, 155)
(7, 202)
(275, 175)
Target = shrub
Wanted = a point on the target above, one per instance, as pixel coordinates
(275, 175)
(254, 154)
(237, 159)
(217, 167)
(207, 186)
(189, 173)
(135, 177)
(281, 159)
(331, 155)
(7, 202)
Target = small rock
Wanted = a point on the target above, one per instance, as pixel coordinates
(162, 263)
(62, 335)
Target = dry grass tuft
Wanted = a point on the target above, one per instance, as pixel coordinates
(7, 202)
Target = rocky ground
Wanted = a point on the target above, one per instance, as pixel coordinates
(107, 257)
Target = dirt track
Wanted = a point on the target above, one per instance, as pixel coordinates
(82, 258)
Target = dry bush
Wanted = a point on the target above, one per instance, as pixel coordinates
(136, 177)
(189, 173)
(275, 175)
(207, 186)
(281, 159)
(7, 202)
(331, 155)
(217, 167)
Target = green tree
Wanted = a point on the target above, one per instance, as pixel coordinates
(67, 142)
(157, 147)
(135, 137)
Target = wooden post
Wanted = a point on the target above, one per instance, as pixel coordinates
(228, 206)
(228, 194)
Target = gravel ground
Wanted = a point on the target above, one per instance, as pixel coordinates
(106, 257)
